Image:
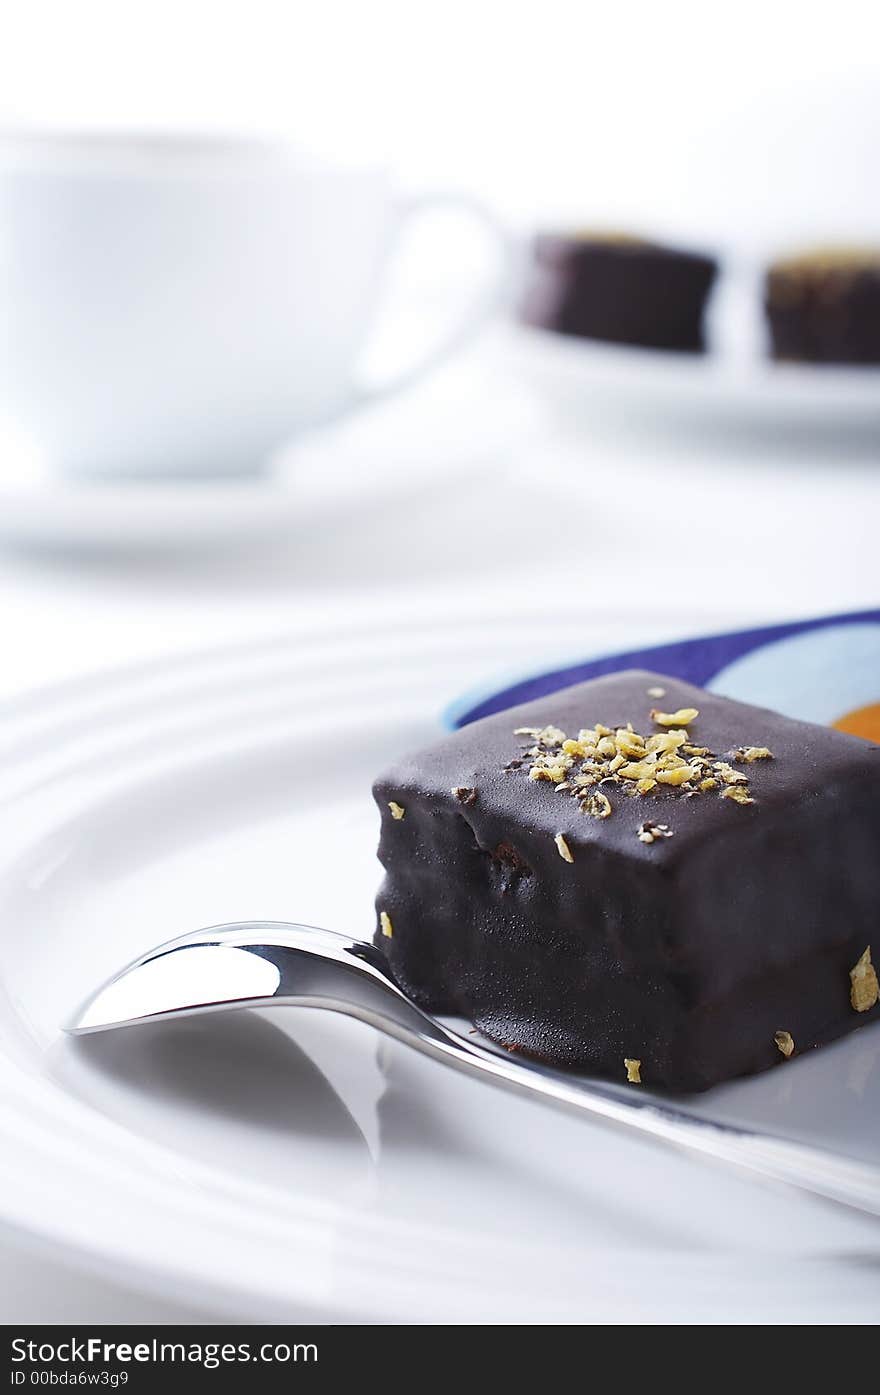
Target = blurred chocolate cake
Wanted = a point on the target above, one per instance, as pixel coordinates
(619, 289)
(823, 306)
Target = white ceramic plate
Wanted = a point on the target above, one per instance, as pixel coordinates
(289, 1165)
(735, 391)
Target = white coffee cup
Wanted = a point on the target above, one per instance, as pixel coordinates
(176, 307)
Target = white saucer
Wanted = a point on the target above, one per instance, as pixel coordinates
(291, 1165)
(132, 517)
(359, 466)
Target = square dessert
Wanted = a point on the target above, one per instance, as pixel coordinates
(638, 878)
(620, 289)
(823, 306)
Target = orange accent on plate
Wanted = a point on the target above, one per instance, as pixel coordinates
(865, 721)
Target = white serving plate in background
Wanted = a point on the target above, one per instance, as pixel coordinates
(735, 393)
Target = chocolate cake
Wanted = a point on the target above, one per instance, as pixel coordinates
(824, 306)
(619, 289)
(638, 878)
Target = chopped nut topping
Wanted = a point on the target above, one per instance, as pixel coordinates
(738, 793)
(785, 1042)
(550, 767)
(397, 810)
(865, 989)
(682, 718)
(637, 770)
(629, 743)
(656, 692)
(633, 1070)
(728, 774)
(665, 742)
(563, 849)
(649, 832)
(545, 736)
(678, 776)
(465, 794)
(385, 922)
(666, 761)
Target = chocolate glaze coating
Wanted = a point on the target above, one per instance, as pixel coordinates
(688, 953)
(619, 291)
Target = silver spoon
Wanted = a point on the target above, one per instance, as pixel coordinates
(265, 963)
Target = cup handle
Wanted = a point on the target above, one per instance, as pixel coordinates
(483, 304)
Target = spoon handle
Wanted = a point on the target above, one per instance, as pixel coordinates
(832, 1176)
(265, 963)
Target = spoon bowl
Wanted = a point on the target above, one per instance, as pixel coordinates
(269, 963)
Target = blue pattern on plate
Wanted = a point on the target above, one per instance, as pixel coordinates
(698, 661)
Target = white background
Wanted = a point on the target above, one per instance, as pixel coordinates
(747, 122)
